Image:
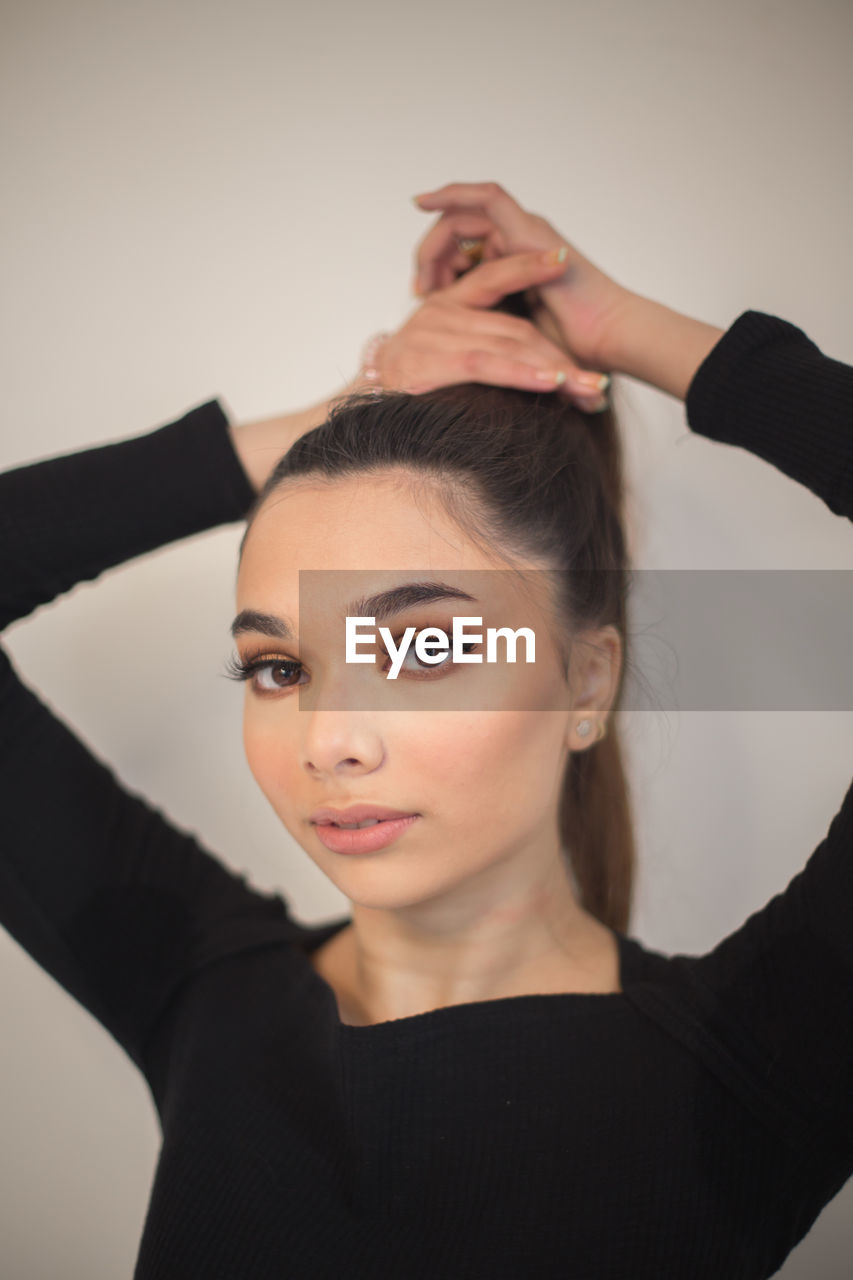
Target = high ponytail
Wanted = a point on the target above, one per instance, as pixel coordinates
(595, 814)
(596, 820)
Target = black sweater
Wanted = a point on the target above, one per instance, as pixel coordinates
(691, 1125)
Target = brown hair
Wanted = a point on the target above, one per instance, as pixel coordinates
(527, 472)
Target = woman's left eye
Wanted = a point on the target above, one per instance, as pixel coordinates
(426, 668)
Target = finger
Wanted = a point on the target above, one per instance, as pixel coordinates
(465, 195)
(439, 244)
(445, 272)
(487, 197)
(448, 269)
(496, 369)
(519, 341)
(537, 353)
(466, 322)
(485, 285)
(581, 398)
(522, 340)
(552, 368)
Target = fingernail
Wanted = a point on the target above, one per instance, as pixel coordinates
(594, 381)
(555, 256)
(595, 406)
(555, 376)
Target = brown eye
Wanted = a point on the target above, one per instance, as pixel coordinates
(269, 676)
(265, 675)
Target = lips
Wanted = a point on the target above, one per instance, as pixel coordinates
(357, 813)
(380, 834)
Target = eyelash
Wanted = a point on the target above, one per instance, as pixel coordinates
(237, 668)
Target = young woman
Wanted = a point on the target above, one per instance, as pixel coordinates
(478, 1072)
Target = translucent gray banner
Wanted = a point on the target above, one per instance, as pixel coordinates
(705, 640)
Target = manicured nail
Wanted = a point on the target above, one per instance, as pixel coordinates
(595, 406)
(555, 376)
(554, 257)
(593, 381)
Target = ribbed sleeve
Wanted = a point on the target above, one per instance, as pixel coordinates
(767, 387)
(107, 894)
(66, 519)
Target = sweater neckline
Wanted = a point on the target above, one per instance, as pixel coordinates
(630, 957)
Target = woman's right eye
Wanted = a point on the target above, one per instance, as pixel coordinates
(266, 675)
(279, 675)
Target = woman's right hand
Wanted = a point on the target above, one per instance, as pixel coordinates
(583, 303)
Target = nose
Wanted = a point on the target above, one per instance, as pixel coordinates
(340, 742)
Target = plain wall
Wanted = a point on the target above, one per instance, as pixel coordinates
(214, 199)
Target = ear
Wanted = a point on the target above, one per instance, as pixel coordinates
(595, 664)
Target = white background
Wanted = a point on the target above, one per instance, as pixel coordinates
(208, 198)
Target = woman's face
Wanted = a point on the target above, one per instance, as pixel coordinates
(485, 783)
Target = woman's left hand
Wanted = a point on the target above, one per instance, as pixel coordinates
(453, 336)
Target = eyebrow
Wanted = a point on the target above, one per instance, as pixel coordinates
(381, 606)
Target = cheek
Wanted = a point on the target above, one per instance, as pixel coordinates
(269, 751)
(484, 765)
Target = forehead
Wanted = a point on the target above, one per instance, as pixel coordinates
(377, 532)
(355, 522)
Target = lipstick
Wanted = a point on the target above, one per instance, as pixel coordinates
(388, 825)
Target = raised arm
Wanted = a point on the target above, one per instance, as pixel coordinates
(104, 892)
(770, 1009)
(66, 519)
(762, 384)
